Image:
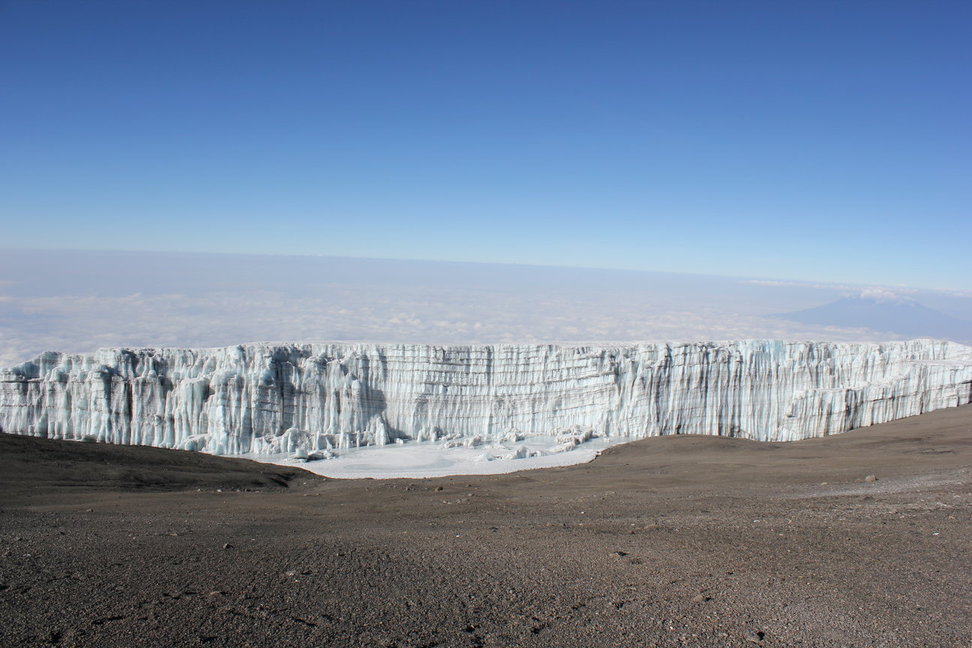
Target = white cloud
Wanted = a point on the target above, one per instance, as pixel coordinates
(219, 301)
(880, 294)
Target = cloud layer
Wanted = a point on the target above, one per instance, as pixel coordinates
(80, 301)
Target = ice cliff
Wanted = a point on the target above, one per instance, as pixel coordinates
(301, 398)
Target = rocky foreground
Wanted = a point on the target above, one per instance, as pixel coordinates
(857, 540)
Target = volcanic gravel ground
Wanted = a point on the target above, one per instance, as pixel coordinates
(673, 541)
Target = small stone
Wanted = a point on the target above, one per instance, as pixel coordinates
(700, 598)
(755, 636)
(870, 479)
(227, 546)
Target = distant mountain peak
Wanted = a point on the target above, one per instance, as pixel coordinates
(883, 295)
(886, 312)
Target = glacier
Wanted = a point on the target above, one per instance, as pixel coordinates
(304, 399)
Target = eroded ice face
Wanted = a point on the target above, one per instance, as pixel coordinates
(499, 402)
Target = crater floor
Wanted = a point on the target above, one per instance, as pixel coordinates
(671, 541)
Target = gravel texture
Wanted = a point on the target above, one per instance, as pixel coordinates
(673, 541)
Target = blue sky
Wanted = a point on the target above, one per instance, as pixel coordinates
(820, 140)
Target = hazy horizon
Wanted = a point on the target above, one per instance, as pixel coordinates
(78, 301)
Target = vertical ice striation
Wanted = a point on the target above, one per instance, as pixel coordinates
(262, 398)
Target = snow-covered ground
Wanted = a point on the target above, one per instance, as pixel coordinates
(430, 459)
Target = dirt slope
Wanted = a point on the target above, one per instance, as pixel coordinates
(678, 541)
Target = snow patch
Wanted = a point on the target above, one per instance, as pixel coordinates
(419, 460)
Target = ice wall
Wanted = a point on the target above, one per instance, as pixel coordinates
(263, 398)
